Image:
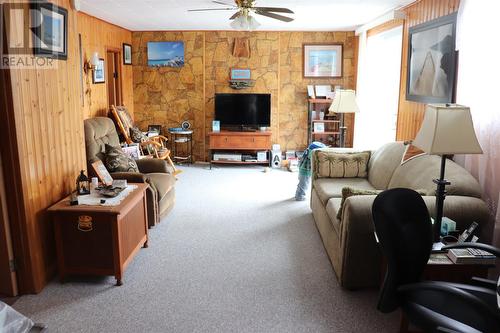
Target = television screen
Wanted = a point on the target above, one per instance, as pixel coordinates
(243, 109)
(166, 54)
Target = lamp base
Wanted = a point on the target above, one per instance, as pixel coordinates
(440, 196)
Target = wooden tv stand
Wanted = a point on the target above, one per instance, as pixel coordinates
(239, 142)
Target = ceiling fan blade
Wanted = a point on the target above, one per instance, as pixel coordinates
(223, 3)
(235, 15)
(207, 9)
(274, 16)
(275, 9)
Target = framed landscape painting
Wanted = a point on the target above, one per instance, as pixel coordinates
(165, 54)
(432, 61)
(323, 60)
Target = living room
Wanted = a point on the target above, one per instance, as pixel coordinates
(229, 248)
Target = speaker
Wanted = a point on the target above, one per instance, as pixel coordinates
(276, 159)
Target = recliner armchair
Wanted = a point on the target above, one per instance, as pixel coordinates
(161, 194)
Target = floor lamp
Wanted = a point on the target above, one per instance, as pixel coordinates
(344, 102)
(447, 129)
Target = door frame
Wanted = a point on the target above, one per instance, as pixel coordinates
(118, 63)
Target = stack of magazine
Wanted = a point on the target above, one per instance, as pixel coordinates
(471, 256)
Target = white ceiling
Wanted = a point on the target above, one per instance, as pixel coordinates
(312, 15)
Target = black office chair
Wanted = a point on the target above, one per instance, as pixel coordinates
(403, 227)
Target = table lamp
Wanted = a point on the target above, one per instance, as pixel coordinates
(344, 102)
(447, 129)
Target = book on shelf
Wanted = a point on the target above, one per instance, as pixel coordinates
(471, 256)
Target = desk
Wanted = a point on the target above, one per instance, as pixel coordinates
(100, 240)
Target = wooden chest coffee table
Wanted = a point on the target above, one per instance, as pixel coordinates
(100, 240)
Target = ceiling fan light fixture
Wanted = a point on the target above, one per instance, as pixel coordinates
(245, 22)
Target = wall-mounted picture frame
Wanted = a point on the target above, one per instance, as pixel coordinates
(432, 59)
(98, 74)
(240, 74)
(154, 129)
(50, 30)
(127, 54)
(323, 60)
(166, 54)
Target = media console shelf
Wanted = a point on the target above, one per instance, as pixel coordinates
(239, 142)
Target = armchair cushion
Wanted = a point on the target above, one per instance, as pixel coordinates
(117, 160)
(151, 165)
(131, 177)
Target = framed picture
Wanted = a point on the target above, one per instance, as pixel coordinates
(50, 30)
(240, 74)
(102, 173)
(319, 127)
(430, 76)
(132, 151)
(98, 73)
(127, 54)
(310, 91)
(154, 129)
(165, 54)
(323, 60)
(215, 126)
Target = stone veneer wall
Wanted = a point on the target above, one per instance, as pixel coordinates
(168, 96)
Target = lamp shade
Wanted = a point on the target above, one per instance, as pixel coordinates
(447, 129)
(95, 59)
(344, 102)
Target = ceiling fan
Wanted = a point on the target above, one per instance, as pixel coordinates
(243, 19)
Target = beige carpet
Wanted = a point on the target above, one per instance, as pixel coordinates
(237, 254)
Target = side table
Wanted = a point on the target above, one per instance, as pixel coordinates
(182, 146)
(100, 240)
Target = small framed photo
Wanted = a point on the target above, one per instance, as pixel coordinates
(132, 151)
(240, 74)
(50, 30)
(215, 126)
(101, 172)
(156, 129)
(98, 74)
(319, 127)
(127, 54)
(323, 60)
(310, 91)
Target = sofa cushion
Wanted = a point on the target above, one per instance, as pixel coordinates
(383, 162)
(419, 172)
(330, 164)
(333, 206)
(162, 182)
(332, 187)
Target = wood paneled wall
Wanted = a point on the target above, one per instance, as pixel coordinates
(98, 36)
(411, 114)
(47, 114)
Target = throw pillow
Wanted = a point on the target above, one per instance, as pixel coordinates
(349, 192)
(117, 161)
(136, 135)
(341, 165)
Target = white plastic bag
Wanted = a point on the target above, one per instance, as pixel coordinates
(12, 321)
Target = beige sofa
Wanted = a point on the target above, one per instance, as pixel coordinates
(350, 242)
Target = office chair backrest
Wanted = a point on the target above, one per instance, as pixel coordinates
(404, 230)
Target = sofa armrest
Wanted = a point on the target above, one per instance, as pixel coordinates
(152, 165)
(130, 177)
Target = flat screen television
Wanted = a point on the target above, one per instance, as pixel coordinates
(243, 110)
